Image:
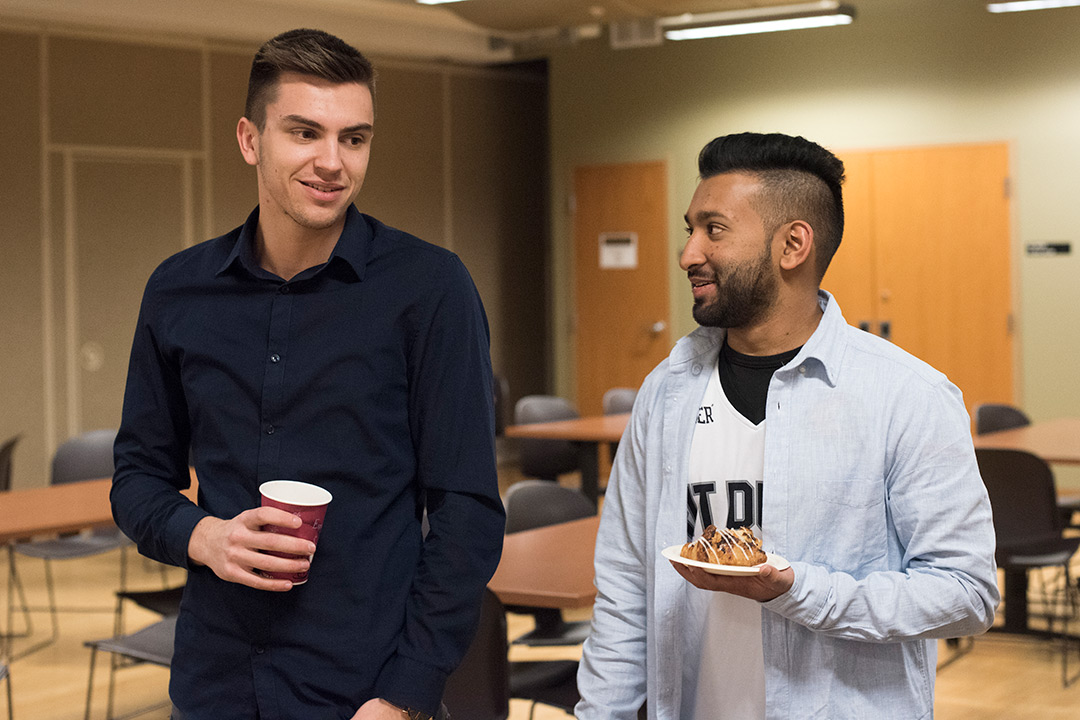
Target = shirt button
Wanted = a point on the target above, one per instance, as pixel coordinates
(275, 358)
(802, 369)
(259, 649)
(270, 430)
(696, 369)
(284, 290)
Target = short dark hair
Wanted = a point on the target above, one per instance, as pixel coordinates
(308, 52)
(800, 180)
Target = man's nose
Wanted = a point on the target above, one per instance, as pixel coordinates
(329, 156)
(691, 254)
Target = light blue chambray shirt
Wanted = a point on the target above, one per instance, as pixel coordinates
(871, 491)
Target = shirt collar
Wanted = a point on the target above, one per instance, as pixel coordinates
(351, 250)
(825, 349)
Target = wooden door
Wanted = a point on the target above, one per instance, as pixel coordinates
(621, 277)
(938, 243)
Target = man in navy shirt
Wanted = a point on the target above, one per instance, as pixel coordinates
(313, 343)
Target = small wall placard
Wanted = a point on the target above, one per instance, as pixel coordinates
(618, 250)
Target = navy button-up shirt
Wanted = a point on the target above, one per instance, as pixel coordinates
(368, 375)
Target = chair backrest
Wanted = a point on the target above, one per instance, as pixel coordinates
(619, 400)
(501, 391)
(7, 453)
(479, 689)
(538, 503)
(1022, 497)
(546, 459)
(991, 417)
(84, 457)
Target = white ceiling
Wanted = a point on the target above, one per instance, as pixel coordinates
(461, 31)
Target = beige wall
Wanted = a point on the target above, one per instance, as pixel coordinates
(906, 73)
(118, 152)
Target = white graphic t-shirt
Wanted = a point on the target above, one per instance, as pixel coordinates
(724, 670)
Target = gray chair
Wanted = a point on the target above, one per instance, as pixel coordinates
(84, 457)
(151, 644)
(538, 503)
(619, 400)
(993, 417)
(483, 684)
(1030, 535)
(616, 401)
(545, 459)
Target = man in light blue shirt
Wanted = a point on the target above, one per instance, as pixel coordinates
(868, 483)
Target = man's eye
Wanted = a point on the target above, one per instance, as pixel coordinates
(357, 140)
(689, 230)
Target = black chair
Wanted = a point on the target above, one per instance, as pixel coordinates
(7, 458)
(1029, 535)
(993, 417)
(7, 455)
(538, 503)
(482, 685)
(545, 459)
(84, 457)
(501, 392)
(5, 674)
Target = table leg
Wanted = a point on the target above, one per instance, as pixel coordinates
(590, 469)
(1016, 609)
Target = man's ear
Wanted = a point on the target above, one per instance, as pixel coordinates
(798, 245)
(248, 137)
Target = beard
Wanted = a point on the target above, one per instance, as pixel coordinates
(744, 294)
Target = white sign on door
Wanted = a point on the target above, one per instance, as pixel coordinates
(618, 250)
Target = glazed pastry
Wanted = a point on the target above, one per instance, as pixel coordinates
(722, 546)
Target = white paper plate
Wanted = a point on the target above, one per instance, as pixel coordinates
(672, 553)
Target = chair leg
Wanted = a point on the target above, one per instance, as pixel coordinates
(90, 683)
(10, 701)
(50, 591)
(15, 585)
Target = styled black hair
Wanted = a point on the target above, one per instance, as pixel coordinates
(800, 180)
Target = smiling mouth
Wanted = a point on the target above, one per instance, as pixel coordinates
(322, 188)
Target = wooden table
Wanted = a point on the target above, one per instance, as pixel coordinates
(587, 433)
(56, 509)
(1055, 441)
(549, 567)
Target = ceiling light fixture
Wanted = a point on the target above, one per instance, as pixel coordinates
(1021, 5)
(436, 2)
(690, 26)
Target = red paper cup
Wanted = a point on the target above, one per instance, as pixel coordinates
(306, 501)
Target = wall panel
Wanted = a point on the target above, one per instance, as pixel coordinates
(119, 94)
(22, 407)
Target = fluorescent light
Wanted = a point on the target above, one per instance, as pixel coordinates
(1021, 5)
(762, 26)
(827, 13)
(436, 2)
